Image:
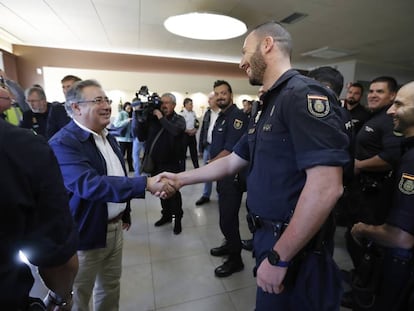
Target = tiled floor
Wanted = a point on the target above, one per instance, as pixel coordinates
(167, 272)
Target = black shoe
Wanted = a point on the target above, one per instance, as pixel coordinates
(347, 300)
(229, 267)
(162, 221)
(222, 250)
(247, 245)
(177, 226)
(202, 200)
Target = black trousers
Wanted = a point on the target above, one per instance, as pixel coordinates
(191, 143)
(229, 199)
(172, 206)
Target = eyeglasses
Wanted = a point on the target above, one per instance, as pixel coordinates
(97, 101)
(33, 101)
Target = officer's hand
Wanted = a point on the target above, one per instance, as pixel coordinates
(172, 179)
(270, 278)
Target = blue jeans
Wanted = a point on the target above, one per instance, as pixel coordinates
(137, 148)
(208, 185)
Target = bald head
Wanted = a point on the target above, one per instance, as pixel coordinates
(402, 110)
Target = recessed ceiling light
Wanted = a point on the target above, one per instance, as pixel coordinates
(328, 53)
(205, 26)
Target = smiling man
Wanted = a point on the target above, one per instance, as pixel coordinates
(396, 235)
(94, 174)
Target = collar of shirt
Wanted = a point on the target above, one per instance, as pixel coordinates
(104, 132)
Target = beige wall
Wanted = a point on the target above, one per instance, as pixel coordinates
(123, 74)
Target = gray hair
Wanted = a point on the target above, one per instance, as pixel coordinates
(75, 94)
(35, 89)
(279, 34)
(171, 96)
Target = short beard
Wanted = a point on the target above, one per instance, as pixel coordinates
(258, 68)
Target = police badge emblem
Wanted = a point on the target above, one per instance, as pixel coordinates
(318, 105)
(238, 124)
(406, 184)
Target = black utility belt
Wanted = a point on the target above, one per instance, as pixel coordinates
(256, 222)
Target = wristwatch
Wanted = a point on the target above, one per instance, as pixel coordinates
(59, 301)
(274, 259)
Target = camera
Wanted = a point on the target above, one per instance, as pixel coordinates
(144, 103)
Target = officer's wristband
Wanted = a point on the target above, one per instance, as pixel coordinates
(57, 300)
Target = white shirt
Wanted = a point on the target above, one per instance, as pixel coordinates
(213, 118)
(113, 165)
(189, 117)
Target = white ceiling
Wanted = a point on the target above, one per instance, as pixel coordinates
(377, 31)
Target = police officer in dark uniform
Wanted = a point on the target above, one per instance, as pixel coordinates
(377, 150)
(295, 149)
(166, 128)
(35, 219)
(333, 80)
(352, 102)
(230, 125)
(396, 235)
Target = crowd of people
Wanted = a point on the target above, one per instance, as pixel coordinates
(308, 160)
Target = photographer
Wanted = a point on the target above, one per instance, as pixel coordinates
(162, 129)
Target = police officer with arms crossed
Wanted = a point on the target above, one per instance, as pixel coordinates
(294, 150)
(377, 150)
(35, 219)
(396, 235)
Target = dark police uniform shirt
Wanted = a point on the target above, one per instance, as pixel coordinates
(402, 213)
(230, 125)
(299, 127)
(377, 137)
(35, 212)
(359, 116)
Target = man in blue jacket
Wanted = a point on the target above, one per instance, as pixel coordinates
(94, 174)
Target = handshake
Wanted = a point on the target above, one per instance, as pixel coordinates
(164, 185)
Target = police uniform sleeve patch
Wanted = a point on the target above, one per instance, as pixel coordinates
(406, 184)
(238, 124)
(318, 105)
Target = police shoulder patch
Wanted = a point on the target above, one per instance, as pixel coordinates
(238, 124)
(318, 105)
(406, 184)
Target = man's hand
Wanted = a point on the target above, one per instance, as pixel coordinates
(171, 178)
(157, 113)
(270, 278)
(160, 187)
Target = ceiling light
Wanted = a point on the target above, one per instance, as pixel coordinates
(327, 53)
(205, 26)
(293, 18)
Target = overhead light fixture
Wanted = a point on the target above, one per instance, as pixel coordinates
(328, 53)
(293, 18)
(205, 26)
